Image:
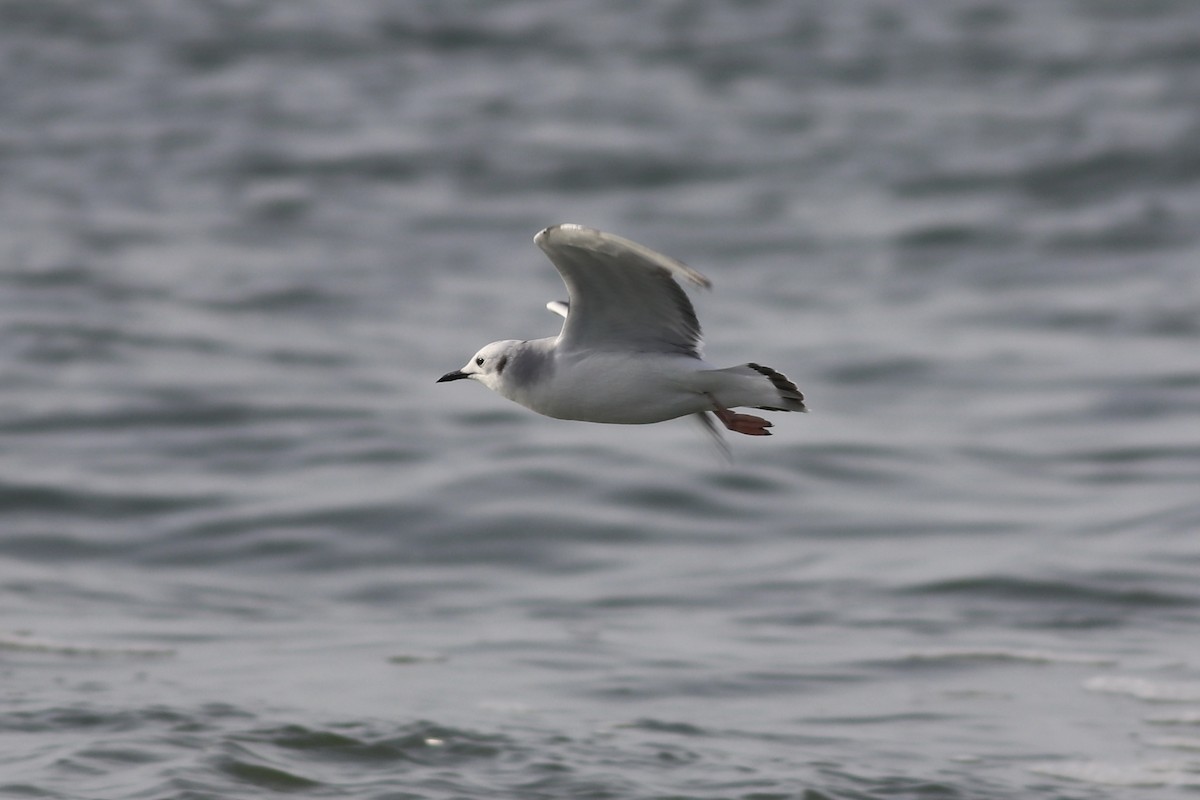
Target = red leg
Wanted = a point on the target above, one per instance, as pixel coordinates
(743, 423)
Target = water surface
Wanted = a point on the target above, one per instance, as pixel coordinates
(248, 547)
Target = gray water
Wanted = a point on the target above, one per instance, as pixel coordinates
(248, 547)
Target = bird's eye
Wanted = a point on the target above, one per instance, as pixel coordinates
(479, 361)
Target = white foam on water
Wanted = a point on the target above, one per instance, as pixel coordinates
(1149, 774)
(1145, 689)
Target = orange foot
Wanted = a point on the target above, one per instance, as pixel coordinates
(743, 423)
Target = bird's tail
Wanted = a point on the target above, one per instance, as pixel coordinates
(755, 386)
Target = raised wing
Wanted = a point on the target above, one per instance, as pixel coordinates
(624, 296)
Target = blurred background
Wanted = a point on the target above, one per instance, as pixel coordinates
(247, 546)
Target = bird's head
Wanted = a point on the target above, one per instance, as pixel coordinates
(486, 366)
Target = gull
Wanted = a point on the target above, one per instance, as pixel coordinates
(630, 350)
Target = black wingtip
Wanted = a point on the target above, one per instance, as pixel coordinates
(788, 391)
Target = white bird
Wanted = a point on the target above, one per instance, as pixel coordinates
(629, 351)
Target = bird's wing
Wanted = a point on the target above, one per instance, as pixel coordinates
(623, 296)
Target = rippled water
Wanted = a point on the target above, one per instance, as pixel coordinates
(248, 547)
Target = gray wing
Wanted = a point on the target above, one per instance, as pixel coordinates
(624, 296)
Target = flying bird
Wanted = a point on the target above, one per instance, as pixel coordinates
(630, 350)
